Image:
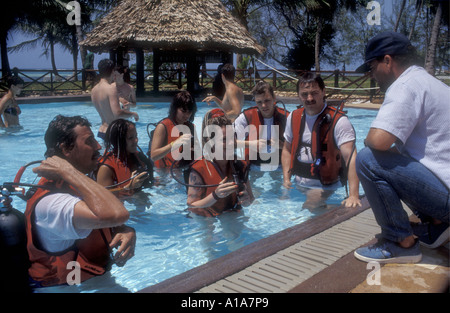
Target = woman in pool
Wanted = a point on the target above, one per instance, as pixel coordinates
(9, 109)
(168, 135)
(231, 176)
(126, 93)
(122, 160)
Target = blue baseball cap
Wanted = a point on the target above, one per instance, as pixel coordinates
(385, 43)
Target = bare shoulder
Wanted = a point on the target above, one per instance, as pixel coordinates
(5, 100)
(111, 87)
(235, 88)
(195, 179)
(237, 91)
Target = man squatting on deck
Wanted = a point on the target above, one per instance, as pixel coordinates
(407, 156)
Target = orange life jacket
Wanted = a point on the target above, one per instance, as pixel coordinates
(168, 159)
(254, 117)
(92, 252)
(211, 175)
(121, 171)
(327, 157)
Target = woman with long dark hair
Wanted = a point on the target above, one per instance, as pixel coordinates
(123, 165)
(175, 131)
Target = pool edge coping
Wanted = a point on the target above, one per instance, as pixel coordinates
(208, 273)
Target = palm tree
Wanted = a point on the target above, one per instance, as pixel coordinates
(419, 5)
(46, 19)
(441, 8)
(323, 12)
(12, 12)
(89, 8)
(49, 34)
(400, 13)
(49, 26)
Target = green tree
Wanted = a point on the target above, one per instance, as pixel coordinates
(311, 23)
(352, 34)
(242, 10)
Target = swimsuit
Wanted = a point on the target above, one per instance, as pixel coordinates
(11, 111)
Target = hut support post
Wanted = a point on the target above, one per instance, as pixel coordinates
(156, 65)
(112, 55)
(119, 56)
(140, 80)
(192, 72)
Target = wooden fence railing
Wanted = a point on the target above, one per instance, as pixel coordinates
(37, 81)
(339, 83)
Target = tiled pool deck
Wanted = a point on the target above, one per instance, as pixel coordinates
(315, 256)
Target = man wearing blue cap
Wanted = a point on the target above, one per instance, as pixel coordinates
(407, 157)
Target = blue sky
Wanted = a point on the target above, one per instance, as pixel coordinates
(33, 58)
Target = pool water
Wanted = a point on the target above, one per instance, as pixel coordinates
(170, 241)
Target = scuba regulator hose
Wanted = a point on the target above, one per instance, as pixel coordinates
(236, 178)
(11, 186)
(183, 183)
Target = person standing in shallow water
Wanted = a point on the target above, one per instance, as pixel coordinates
(9, 109)
(105, 98)
(70, 217)
(261, 128)
(319, 150)
(125, 92)
(407, 154)
(168, 137)
(216, 169)
(233, 100)
(122, 159)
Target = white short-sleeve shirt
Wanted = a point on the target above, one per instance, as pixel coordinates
(240, 127)
(54, 226)
(416, 109)
(343, 133)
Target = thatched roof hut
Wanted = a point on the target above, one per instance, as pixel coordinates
(164, 26)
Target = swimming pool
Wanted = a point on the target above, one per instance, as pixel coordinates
(169, 240)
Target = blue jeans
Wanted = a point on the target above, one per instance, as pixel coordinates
(388, 178)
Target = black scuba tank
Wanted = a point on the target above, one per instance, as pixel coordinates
(14, 260)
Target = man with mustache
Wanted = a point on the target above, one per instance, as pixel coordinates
(71, 217)
(320, 147)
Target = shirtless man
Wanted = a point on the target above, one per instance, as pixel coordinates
(233, 99)
(105, 98)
